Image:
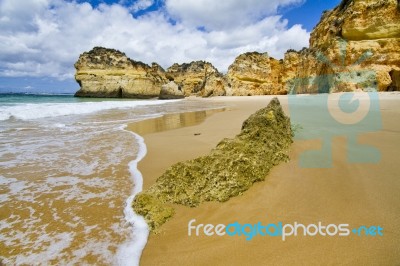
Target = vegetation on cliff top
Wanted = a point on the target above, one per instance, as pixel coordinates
(108, 56)
(230, 169)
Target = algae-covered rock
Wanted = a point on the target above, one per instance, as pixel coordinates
(154, 211)
(230, 169)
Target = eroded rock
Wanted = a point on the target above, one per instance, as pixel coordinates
(230, 169)
(197, 78)
(171, 91)
(104, 72)
(254, 74)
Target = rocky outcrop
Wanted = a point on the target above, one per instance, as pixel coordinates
(354, 47)
(395, 80)
(171, 91)
(105, 72)
(254, 74)
(197, 78)
(230, 169)
(297, 65)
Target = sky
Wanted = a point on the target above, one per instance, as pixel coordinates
(40, 40)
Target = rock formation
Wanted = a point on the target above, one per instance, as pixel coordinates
(354, 47)
(105, 72)
(361, 35)
(197, 78)
(254, 74)
(171, 91)
(230, 169)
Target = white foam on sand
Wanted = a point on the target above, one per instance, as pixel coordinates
(129, 253)
(43, 110)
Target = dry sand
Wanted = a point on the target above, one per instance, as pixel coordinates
(356, 194)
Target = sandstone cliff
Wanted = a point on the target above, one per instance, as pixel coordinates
(197, 78)
(355, 46)
(105, 72)
(361, 35)
(254, 74)
(171, 91)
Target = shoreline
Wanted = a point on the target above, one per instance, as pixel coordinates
(133, 248)
(129, 253)
(280, 193)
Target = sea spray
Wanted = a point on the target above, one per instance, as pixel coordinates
(129, 253)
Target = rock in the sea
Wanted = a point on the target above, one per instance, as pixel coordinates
(197, 78)
(104, 72)
(171, 91)
(230, 169)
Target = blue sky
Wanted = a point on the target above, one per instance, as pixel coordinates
(41, 39)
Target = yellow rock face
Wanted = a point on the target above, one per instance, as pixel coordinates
(197, 78)
(371, 20)
(105, 72)
(361, 35)
(354, 47)
(254, 74)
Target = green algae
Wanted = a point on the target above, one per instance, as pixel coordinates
(230, 169)
(155, 212)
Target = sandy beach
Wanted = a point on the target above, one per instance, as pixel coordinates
(356, 194)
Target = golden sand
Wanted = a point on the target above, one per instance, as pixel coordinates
(357, 194)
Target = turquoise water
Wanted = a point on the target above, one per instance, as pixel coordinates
(34, 98)
(50, 98)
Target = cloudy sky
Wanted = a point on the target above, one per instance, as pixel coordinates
(41, 39)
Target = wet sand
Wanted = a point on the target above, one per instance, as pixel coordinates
(355, 194)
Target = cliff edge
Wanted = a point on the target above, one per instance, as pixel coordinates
(354, 47)
(103, 72)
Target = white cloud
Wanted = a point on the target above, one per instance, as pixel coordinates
(17, 15)
(141, 5)
(47, 40)
(226, 14)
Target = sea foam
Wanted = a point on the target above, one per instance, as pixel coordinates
(31, 111)
(129, 253)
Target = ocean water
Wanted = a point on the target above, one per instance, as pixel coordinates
(68, 171)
